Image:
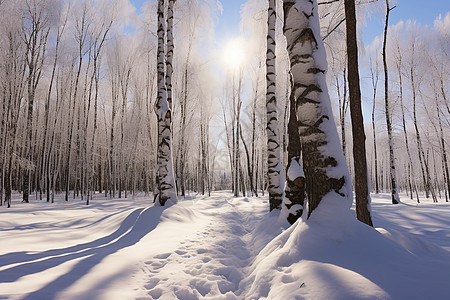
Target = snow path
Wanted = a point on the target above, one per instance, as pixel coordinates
(213, 261)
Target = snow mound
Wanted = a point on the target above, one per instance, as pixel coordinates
(334, 256)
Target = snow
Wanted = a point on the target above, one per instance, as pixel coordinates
(221, 247)
(295, 170)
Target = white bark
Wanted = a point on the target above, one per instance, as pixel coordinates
(394, 193)
(166, 182)
(275, 167)
(324, 164)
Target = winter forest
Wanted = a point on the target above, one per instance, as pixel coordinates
(147, 153)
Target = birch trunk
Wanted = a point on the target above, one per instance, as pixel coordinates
(394, 193)
(273, 145)
(237, 152)
(166, 182)
(169, 53)
(294, 199)
(374, 79)
(254, 158)
(327, 176)
(343, 106)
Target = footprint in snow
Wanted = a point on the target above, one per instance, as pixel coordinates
(156, 293)
(157, 265)
(162, 256)
(152, 283)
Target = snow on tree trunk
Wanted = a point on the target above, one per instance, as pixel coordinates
(327, 176)
(273, 146)
(166, 182)
(293, 202)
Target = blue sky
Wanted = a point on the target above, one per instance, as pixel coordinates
(424, 12)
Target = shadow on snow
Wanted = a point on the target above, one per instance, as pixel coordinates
(133, 228)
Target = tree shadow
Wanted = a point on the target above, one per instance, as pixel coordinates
(23, 256)
(134, 227)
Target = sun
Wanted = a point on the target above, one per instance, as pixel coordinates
(233, 54)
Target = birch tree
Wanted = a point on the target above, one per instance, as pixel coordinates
(326, 173)
(166, 182)
(275, 167)
(393, 178)
(293, 205)
(374, 77)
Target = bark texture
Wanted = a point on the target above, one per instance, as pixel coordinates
(166, 182)
(374, 79)
(326, 172)
(295, 187)
(394, 193)
(273, 144)
(359, 136)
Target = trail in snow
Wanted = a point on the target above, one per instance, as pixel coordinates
(214, 260)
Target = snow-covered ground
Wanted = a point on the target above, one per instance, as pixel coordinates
(221, 247)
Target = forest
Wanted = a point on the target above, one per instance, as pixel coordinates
(79, 87)
(147, 153)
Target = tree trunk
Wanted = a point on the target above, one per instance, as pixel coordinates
(444, 154)
(423, 164)
(374, 77)
(359, 137)
(323, 160)
(35, 33)
(410, 173)
(166, 182)
(343, 105)
(275, 167)
(295, 184)
(237, 164)
(394, 193)
(182, 146)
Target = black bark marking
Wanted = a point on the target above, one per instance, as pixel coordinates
(286, 8)
(315, 71)
(308, 16)
(307, 35)
(309, 89)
